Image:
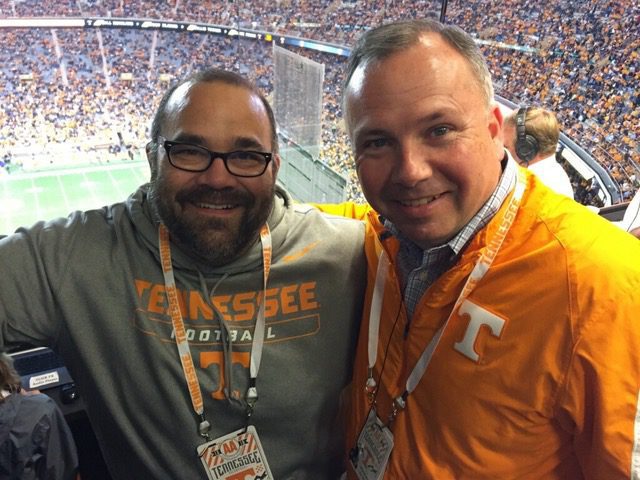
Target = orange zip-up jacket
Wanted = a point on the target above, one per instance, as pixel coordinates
(537, 375)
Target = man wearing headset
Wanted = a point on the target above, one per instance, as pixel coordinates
(531, 135)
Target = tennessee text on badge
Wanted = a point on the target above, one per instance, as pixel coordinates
(236, 456)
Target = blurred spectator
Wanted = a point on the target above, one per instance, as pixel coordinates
(531, 135)
(35, 440)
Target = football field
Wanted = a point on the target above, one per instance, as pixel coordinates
(28, 197)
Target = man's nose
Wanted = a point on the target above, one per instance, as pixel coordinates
(413, 164)
(217, 174)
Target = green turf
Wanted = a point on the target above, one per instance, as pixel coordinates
(26, 198)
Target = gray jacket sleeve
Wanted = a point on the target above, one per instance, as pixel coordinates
(33, 263)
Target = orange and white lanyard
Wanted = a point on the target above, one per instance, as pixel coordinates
(481, 267)
(181, 337)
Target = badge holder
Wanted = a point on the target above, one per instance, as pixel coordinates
(236, 456)
(375, 442)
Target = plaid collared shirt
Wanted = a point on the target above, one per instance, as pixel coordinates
(418, 268)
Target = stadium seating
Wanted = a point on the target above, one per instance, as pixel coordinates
(577, 58)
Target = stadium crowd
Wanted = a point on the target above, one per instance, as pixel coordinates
(92, 90)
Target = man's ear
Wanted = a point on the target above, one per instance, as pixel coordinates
(151, 150)
(276, 164)
(495, 125)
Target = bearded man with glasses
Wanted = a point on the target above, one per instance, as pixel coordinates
(198, 315)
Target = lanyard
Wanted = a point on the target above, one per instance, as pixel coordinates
(481, 267)
(181, 337)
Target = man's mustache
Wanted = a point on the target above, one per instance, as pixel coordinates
(205, 194)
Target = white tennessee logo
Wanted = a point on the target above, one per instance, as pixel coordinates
(478, 317)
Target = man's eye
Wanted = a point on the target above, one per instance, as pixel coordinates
(188, 150)
(376, 143)
(440, 131)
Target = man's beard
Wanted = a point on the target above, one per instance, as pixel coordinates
(214, 241)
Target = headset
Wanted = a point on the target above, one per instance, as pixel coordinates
(526, 145)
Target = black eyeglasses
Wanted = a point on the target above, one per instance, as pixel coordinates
(194, 158)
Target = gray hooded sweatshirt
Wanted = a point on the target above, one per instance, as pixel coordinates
(91, 287)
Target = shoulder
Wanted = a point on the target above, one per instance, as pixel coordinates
(312, 211)
(38, 402)
(325, 222)
(339, 234)
(27, 409)
(81, 228)
(590, 247)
